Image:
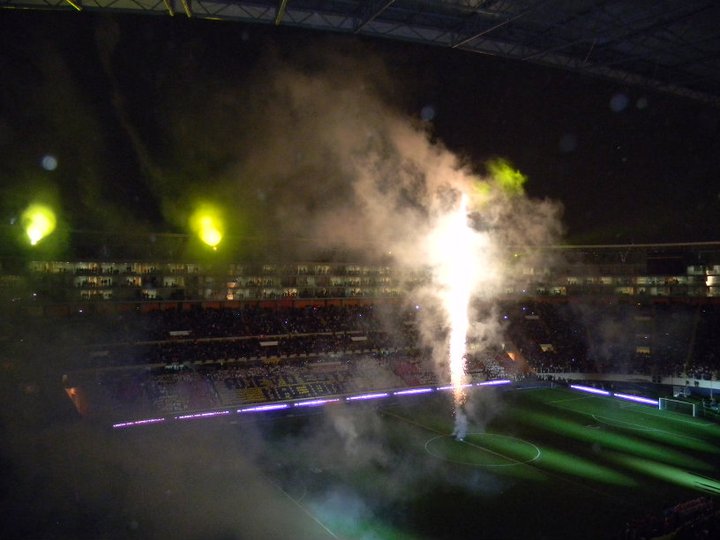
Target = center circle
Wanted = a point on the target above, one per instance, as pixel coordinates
(483, 450)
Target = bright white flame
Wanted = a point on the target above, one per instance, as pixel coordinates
(457, 253)
(459, 288)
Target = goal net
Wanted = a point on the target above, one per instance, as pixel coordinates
(677, 405)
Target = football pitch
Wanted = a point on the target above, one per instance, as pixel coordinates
(535, 463)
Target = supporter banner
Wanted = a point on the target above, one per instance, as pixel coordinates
(252, 389)
(300, 391)
(250, 395)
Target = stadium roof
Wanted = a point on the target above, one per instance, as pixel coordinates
(671, 46)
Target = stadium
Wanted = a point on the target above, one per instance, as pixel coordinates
(257, 286)
(596, 399)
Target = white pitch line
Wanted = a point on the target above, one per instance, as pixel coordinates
(514, 461)
(532, 465)
(657, 415)
(620, 423)
(303, 508)
(669, 434)
(570, 399)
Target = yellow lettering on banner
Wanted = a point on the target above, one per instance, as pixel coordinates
(250, 395)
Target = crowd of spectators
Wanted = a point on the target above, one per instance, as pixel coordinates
(660, 340)
(694, 519)
(250, 320)
(178, 360)
(182, 388)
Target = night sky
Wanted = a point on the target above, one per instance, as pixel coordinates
(120, 120)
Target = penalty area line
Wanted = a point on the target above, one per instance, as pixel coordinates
(612, 422)
(658, 414)
(569, 399)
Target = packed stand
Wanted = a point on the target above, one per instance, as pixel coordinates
(694, 519)
(217, 357)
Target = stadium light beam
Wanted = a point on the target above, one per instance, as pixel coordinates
(679, 476)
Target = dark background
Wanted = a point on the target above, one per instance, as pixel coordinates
(107, 96)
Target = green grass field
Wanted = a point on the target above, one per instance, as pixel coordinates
(536, 463)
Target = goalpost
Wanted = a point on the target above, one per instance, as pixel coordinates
(679, 406)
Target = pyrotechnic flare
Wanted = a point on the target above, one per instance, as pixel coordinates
(457, 300)
(455, 245)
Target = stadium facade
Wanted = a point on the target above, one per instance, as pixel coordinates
(644, 272)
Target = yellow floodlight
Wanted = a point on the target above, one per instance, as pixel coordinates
(39, 221)
(206, 222)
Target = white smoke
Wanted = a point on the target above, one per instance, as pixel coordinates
(326, 159)
(376, 181)
(461, 424)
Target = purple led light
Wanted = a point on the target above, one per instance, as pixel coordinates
(315, 402)
(262, 408)
(639, 399)
(494, 383)
(590, 389)
(138, 422)
(201, 415)
(368, 396)
(413, 391)
(452, 386)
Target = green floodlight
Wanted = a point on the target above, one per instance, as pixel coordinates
(632, 445)
(39, 221)
(663, 471)
(510, 180)
(564, 462)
